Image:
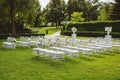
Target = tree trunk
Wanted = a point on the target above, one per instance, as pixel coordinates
(12, 17)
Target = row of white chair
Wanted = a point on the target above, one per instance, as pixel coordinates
(25, 38)
(62, 42)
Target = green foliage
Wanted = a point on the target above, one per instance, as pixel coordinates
(72, 7)
(105, 12)
(90, 34)
(94, 29)
(95, 26)
(116, 10)
(77, 17)
(21, 64)
(64, 27)
(54, 11)
(17, 13)
(103, 15)
(88, 7)
(39, 21)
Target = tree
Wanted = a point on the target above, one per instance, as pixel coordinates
(46, 15)
(73, 6)
(103, 16)
(20, 9)
(88, 7)
(4, 18)
(38, 19)
(116, 11)
(54, 11)
(77, 17)
(90, 10)
(105, 12)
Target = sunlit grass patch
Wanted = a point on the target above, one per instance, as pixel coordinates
(21, 64)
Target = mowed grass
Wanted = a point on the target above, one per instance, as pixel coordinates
(51, 30)
(21, 64)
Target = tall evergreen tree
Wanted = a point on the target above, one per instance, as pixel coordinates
(73, 6)
(54, 11)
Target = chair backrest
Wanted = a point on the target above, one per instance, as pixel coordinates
(10, 39)
(80, 42)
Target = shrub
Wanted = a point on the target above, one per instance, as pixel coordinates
(95, 26)
(63, 27)
(91, 34)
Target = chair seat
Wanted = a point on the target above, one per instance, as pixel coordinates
(50, 53)
(9, 45)
(65, 50)
(84, 50)
(23, 44)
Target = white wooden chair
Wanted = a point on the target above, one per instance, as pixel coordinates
(49, 53)
(23, 43)
(9, 45)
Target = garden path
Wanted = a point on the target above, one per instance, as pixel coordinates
(54, 35)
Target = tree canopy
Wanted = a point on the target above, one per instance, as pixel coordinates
(54, 11)
(77, 17)
(19, 14)
(116, 10)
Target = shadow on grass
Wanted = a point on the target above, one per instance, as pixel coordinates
(87, 58)
(98, 56)
(6, 49)
(71, 60)
(55, 63)
(17, 49)
(116, 51)
(3, 49)
(23, 48)
(47, 61)
(109, 53)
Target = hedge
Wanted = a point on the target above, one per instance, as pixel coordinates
(91, 34)
(4, 36)
(95, 26)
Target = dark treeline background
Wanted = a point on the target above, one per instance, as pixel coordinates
(18, 16)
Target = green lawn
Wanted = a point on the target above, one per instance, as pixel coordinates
(51, 30)
(21, 64)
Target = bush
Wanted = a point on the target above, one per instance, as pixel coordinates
(95, 26)
(91, 34)
(3, 36)
(64, 26)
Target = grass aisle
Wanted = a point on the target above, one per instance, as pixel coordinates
(51, 30)
(21, 64)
